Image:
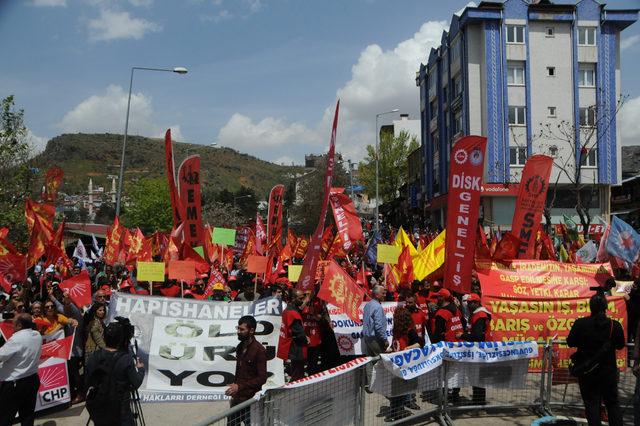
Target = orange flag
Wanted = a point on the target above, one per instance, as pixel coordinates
(338, 288)
(52, 181)
(390, 279)
(114, 242)
(404, 268)
(45, 212)
(41, 237)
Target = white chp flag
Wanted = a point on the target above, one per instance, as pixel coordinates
(80, 252)
(96, 248)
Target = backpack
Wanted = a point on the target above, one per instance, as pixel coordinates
(581, 365)
(104, 394)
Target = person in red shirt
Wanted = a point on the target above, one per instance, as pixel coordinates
(419, 318)
(170, 289)
(311, 316)
(292, 344)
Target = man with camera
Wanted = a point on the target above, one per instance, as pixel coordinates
(112, 374)
(19, 381)
(594, 364)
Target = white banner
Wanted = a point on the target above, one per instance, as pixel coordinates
(349, 332)
(415, 362)
(189, 345)
(54, 384)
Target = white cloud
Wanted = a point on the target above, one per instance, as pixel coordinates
(36, 143)
(285, 160)
(461, 11)
(629, 117)
(139, 3)
(176, 133)
(630, 42)
(106, 112)
(49, 3)
(113, 25)
(254, 5)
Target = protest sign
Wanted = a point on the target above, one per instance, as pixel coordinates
(188, 345)
(257, 264)
(54, 384)
(294, 272)
(349, 332)
(224, 236)
(388, 253)
(150, 271)
(537, 300)
(182, 270)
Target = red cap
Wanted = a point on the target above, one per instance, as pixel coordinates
(444, 293)
(437, 284)
(473, 298)
(232, 278)
(106, 289)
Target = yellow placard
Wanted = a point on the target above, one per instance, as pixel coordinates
(388, 253)
(294, 272)
(150, 271)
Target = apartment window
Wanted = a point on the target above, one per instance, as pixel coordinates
(445, 94)
(550, 31)
(517, 115)
(432, 82)
(433, 109)
(587, 117)
(551, 111)
(436, 142)
(445, 64)
(455, 51)
(515, 74)
(515, 34)
(457, 124)
(457, 85)
(586, 76)
(551, 71)
(590, 158)
(517, 156)
(586, 36)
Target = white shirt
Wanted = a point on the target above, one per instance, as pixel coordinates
(19, 357)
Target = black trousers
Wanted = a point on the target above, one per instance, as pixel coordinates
(598, 387)
(19, 397)
(75, 379)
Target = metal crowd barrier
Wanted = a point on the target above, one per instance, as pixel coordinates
(347, 400)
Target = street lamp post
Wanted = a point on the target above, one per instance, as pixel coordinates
(177, 70)
(351, 176)
(378, 165)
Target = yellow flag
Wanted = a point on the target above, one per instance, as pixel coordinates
(562, 254)
(402, 239)
(430, 259)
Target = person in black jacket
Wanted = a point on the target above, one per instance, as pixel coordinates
(597, 337)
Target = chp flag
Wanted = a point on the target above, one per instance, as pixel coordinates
(463, 200)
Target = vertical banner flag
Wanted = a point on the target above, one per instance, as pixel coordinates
(52, 181)
(274, 218)
(463, 201)
(310, 265)
(176, 204)
(189, 181)
(530, 202)
(114, 241)
(347, 220)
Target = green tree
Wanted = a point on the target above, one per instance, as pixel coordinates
(15, 172)
(149, 206)
(392, 170)
(308, 195)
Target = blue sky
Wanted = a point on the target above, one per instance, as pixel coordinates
(263, 77)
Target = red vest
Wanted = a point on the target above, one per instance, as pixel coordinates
(453, 324)
(419, 320)
(172, 291)
(311, 325)
(286, 338)
(479, 314)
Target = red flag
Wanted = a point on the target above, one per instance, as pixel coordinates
(530, 202)
(58, 237)
(189, 178)
(274, 218)
(261, 234)
(310, 264)
(13, 268)
(327, 241)
(390, 279)
(45, 212)
(41, 237)
(482, 246)
(338, 288)
(4, 232)
(507, 248)
(463, 201)
(113, 243)
(215, 278)
(301, 248)
(548, 247)
(176, 202)
(6, 329)
(188, 253)
(60, 348)
(58, 257)
(361, 277)
(79, 288)
(52, 181)
(404, 268)
(133, 242)
(249, 248)
(347, 220)
(228, 259)
(336, 250)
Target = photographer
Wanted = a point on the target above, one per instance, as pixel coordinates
(597, 337)
(112, 374)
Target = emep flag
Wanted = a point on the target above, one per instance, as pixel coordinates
(346, 217)
(79, 287)
(463, 201)
(338, 288)
(530, 203)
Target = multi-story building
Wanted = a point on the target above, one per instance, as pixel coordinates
(534, 78)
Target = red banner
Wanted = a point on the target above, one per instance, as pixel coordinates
(338, 288)
(530, 203)
(536, 300)
(347, 220)
(52, 181)
(79, 288)
(114, 242)
(306, 280)
(463, 204)
(274, 218)
(189, 178)
(176, 203)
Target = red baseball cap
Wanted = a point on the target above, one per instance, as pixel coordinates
(444, 293)
(473, 297)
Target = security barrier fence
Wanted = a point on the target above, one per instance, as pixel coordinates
(444, 394)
